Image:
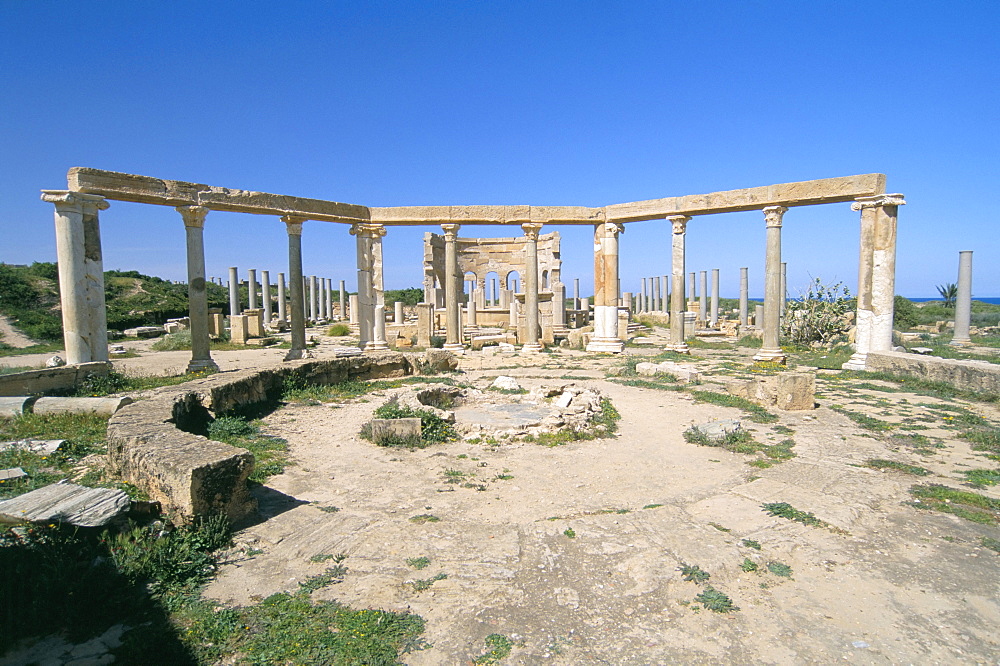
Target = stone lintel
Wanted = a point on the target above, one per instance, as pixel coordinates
(804, 193)
(480, 215)
(143, 189)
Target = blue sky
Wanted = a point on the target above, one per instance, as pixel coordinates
(583, 103)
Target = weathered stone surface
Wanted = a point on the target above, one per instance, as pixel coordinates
(50, 379)
(505, 383)
(144, 332)
(55, 362)
(716, 430)
(66, 503)
(143, 189)
(476, 215)
(395, 431)
(15, 406)
(104, 406)
(826, 190)
(439, 360)
(683, 372)
(12, 474)
(784, 390)
(42, 446)
(978, 376)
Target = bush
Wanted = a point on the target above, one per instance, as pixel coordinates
(819, 315)
(437, 341)
(179, 341)
(904, 315)
(338, 330)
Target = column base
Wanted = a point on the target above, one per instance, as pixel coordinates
(961, 343)
(770, 356)
(455, 348)
(856, 362)
(377, 345)
(296, 354)
(531, 348)
(609, 345)
(681, 348)
(202, 365)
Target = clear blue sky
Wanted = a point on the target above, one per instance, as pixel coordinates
(582, 103)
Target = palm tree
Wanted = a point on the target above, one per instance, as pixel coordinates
(949, 292)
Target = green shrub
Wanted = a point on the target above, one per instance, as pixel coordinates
(338, 330)
(179, 341)
(819, 315)
(904, 316)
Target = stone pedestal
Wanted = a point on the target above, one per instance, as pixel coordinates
(239, 329)
(425, 324)
(255, 323)
(216, 323)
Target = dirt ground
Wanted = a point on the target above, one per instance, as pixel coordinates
(574, 552)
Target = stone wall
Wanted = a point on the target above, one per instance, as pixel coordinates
(503, 256)
(978, 376)
(47, 380)
(154, 444)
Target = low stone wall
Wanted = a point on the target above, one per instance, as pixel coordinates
(979, 376)
(152, 443)
(32, 382)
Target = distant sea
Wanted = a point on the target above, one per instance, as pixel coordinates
(995, 300)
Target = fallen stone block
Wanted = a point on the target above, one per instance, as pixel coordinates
(784, 390)
(103, 406)
(683, 373)
(16, 405)
(144, 332)
(439, 360)
(717, 430)
(395, 432)
(505, 383)
(12, 474)
(42, 446)
(66, 503)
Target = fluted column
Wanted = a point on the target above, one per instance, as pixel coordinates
(771, 348)
(194, 226)
(531, 230)
(378, 342)
(234, 291)
(876, 276)
(293, 224)
(606, 289)
(963, 301)
(81, 274)
(677, 304)
(453, 330)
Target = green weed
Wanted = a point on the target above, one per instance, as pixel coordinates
(424, 518)
(748, 565)
(750, 543)
(878, 463)
(787, 511)
(716, 601)
(754, 411)
(779, 569)
(419, 562)
(694, 573)
(425, 584)
(982, 477)
(498, 647)
(270, 452)
(970, 506)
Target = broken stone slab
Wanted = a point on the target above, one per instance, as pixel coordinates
(564, 400)
(12, 474)
(346, 352)
(144, 332)
(66, 503)
(103, 406)
(42, 446)
(716, 430)
(439, 360)
(15, 406)
(507, 348)
(921, 350)
(784, 390)
(684, 373)
(505, 383)
(395, 432)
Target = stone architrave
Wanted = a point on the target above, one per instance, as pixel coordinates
(252, 288)
(293, 225)
(343, 301)
(605, 338)
(531, 318)
(81, 274)
(744, 296)
(876, 276)
(714, 307)
(770, 349)
(281, 297)
(453, 331)
(265, 295)
(677, 338)
(963, 301)
(234, 291)
(194, 226)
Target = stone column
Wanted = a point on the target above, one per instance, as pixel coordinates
(343, 301)
(642, 304)
(665, 289)
(194, 225)
(81, 274)
(293, 224)
(313, 300)
(758, 316)
(703, 296)
(606, 289)
(744, 296)
(495, 300)
(371, 297)
(453, 330)
(714, 318)
(397, 315)
(234, 291)
(770, 349)
(576, 294)
(252, 287)
(677, 302)
(352, 301)
(783, 290)
(656, 293)
(559, 305)
(322, 294)
(530, 279)
(329, 298)
(281, 297)
(693, 285)
(963, 301)
(876, 276)
(265, 294)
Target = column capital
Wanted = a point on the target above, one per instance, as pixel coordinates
(679, 222)
(773, 215)
(613, 228)
(68, 199)
(194, 216)
(450, 230)
(293, 224)
(368, 229)
(861, 203)
(531, 229)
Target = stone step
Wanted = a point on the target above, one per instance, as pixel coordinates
(66, 503)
